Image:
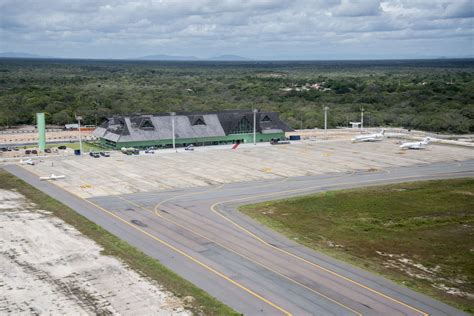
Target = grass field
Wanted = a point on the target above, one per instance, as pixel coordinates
(420, 234)
(204, 304)
(86, 147)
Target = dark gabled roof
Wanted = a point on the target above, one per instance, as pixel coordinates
(197, 120)
(230, 120)
(273, 123)
(187, 125)
(142, 122)
(117, 125)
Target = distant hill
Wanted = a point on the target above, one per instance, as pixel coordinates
(229, 58)
(21, 55)
(192, 58)
(167, 57)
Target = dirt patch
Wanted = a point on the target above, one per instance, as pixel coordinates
(48, 267)
(465, 193)
(419, 271)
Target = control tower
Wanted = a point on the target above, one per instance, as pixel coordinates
(41, 126)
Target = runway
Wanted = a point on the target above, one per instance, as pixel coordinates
(199, 234)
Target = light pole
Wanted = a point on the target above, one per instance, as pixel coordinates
(255, 126)
(173, 114)
(326, 108)
(362, 118)
(79, 118)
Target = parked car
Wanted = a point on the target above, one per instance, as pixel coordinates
(94, 154)
(27, 151)
(130, 151)
(279, 142)
(104, 154)
(189, 147)
(47, 150)
(34, 152)
(149, 151)
(62, 147)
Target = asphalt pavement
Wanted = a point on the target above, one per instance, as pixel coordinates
(199, 234)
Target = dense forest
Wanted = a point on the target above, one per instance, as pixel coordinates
(435, 95)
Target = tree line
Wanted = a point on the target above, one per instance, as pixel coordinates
(436, 95)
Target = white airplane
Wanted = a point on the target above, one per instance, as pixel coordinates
(53, 177)
(369, 137)
(416, 145)
(27, 162)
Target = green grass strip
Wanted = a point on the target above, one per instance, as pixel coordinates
(203, 303)
(380, 228)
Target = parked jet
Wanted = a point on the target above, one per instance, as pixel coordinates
(53, 177)
(27, 162)
(369, 137)
(416, 145)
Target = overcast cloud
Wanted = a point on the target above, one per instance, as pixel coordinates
(260, 29)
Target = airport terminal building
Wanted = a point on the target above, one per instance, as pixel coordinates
(212, 128)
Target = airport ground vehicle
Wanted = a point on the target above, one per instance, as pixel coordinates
(279, 142)
(130, 151)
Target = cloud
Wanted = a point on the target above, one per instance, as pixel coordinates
(277, 29)
(460, 9)
(356, 8)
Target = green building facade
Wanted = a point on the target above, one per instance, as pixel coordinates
(41, 127)
(215, 128)
(203, 141)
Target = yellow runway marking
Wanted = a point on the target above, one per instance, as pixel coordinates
(182, 253)
(239, 254)
(212, 190)
(214, 209)
(189, 194)
(178, 250)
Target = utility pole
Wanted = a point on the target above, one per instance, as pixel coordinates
(173, 114)
(326, 108)
(361, 118)
(79, 118)
(255, 126)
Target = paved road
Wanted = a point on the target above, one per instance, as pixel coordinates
(199, 234)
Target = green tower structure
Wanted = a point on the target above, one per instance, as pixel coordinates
(41, 126)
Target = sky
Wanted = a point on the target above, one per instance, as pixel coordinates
(255, 29)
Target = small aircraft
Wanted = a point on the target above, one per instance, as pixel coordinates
(53, 177)
(416, 145)
(27, 162)
(369, 137)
